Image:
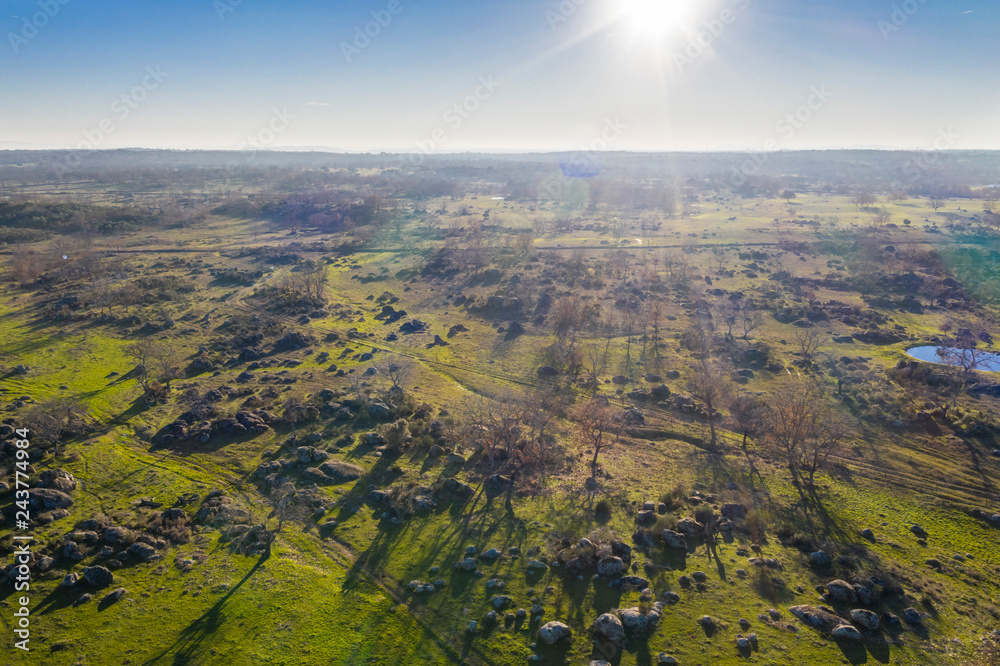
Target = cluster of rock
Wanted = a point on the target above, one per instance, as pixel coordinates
(218, 510)
(327, 472)
(194, 425)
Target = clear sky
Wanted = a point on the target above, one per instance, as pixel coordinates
(525, 74)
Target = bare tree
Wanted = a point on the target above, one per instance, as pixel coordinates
(495, 425)
(286, 505)
(864, 199)
(963, 353)
(803, 429)
(598, 426)
(709, 385)
(141, 353)
(397, 370)
(50, 420)
(25, 264)
(596, 362)
(748, 415)
(807, 341)
(295, 411)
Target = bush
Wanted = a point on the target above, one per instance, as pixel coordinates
(704, 514)
(755, 524)
(175, 530)
(602, 508)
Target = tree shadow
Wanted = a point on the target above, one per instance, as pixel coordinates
(192, 638)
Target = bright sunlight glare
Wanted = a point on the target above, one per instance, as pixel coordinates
(658, 18)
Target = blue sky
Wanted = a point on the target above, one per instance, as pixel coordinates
(525, 74)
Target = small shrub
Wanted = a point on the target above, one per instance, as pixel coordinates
(603, 508)
(756, 526)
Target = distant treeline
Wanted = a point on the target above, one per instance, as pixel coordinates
(30, 220)
(417, 176)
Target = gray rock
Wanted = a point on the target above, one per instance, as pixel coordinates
(634, 621)
(609, 628)
(842, 591)
(864, 619)
(98, 576)
(820, 559)
(551, 633)
(846, 632)
(610, 566)
(674, 540)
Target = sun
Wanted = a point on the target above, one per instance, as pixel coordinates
(658, 18)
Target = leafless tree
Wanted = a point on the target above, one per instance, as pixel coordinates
(50, 420)
(807, 342)
(595, 360)
(286, 505)
(962, 352)
(598, 426)
(397, 370)
(25, 264)
(709, 385)
(803, 428)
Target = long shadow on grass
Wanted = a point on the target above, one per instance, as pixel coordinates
(192, 638)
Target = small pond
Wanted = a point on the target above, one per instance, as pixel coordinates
(929, 354)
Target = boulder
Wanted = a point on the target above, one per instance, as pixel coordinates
(846, 632)
(458, 489)
(646, 517)
(865, 619)
(674, 540)
(551, 633)
(817, 618)
(379, 411)
(609, 628)
(734, 511)
(842, 591)
(341, 472)
(58, 479)
(47, 499)
(142, 551)
(547, 371)
(98, 576)
(610, 566)
(633, 621)
(690, 526)
(112, 597)
(912, 616)
(820, 559)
